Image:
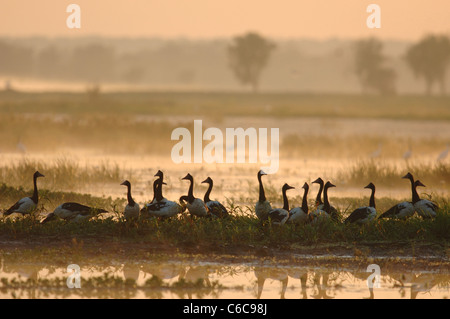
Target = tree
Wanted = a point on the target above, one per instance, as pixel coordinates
(429, 59)
(248, 55)
(370, 67)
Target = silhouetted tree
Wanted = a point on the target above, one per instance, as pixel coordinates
(370, 68)
(429, 59)
(248, 55)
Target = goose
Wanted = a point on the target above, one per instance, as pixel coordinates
(262, 207)
(404, 209)
(299, 215)
(364, 215)
(424, 207)
(319, 203)
(26, 205)
(279, 216)
(73, 212)
(144, 209)
(132, 209)
(194, 205)
(160, 174)
(325, 211)
(161, 207)
(215, 207)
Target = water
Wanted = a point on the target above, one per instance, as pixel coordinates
(263, 279)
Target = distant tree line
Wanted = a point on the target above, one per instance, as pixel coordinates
(429, 59)
(246, 57)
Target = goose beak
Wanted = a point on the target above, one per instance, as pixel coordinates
(39, 175)
(205, 181)
(419, 183)
(123, 183)
(332, 185)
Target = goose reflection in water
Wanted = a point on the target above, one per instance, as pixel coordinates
(302, 274)
(278, 274)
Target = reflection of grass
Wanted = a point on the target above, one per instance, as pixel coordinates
(108, 286)
(390, 175)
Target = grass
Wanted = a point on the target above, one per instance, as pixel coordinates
(242, 229)
(218, 105)
(382, 173)
(48, 200)
(62, 173)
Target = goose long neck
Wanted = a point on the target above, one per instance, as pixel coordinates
(208, 192)
(285, 201)
(326, 203)
(35, 196)
(319, 195)
(155, 189)
(129, 198)
(415, 195)
(372, 199)
(305, 201)
(262, 195)
(159, 195)
(191, 191)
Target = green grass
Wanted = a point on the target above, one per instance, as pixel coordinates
(48, 200)
(382, 173)
(62, 173)
(217, 104)
(242, 229)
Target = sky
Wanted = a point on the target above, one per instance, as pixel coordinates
(317, 19)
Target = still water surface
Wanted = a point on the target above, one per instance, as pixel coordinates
(205, 279)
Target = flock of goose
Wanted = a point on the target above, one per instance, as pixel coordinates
(164, 208)
(324, 210)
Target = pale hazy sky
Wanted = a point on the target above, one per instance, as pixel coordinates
(322, 19)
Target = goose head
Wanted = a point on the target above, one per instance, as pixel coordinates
(409, 176)
(370, 186)
(286, 187)
(305, 186)
(318, 181)
(188, 177)
(418, 183)
(37, 174)
(329, 184)
(261, 173)
(208, 180)
(159, 174)
(126, 183)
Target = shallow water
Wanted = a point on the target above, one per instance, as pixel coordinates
(206, 279)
